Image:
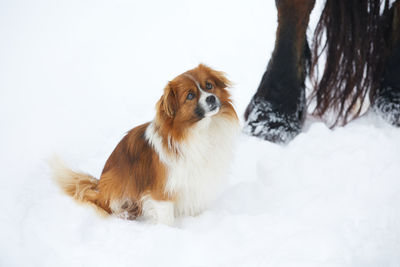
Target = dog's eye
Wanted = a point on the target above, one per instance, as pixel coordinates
(208, 86)
(190, 96)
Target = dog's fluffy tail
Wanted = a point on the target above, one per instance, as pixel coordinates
(80, 186)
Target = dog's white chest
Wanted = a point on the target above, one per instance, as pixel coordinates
(196, 177)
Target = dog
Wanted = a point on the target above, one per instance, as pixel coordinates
(172, 166)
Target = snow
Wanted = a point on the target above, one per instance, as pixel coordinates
(76, 75)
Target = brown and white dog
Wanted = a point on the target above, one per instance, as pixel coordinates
(172, 166)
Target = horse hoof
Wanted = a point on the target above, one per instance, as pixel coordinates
(269, 124)
(387, 105)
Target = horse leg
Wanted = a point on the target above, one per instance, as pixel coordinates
(276, 111)
(387, 101)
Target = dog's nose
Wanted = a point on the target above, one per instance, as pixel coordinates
(210, 100)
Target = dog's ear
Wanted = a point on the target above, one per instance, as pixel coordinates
(218, 76)
(168, 103)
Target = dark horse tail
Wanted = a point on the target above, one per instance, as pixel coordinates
(357, 35)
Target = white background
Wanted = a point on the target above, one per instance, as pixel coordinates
(76, 75)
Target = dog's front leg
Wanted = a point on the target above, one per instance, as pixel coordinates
(158, 211)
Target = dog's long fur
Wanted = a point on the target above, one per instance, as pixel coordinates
(171, 166)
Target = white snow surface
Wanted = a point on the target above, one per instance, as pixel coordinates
(76, 75)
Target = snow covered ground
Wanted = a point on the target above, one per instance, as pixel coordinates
(76, 75)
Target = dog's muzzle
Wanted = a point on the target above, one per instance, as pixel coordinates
(212, 102)
(211, 105)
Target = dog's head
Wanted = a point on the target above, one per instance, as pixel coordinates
(194, 95)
